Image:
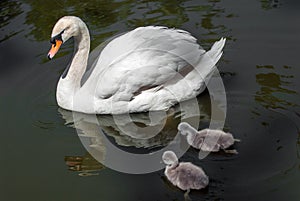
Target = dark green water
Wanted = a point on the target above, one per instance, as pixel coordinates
(261, 76)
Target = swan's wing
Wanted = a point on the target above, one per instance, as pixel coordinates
(143, 59)
(144, 37)
(94, 57)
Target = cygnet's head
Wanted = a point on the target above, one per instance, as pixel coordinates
(169, 157)
(185, 129)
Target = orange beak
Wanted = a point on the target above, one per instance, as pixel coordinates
(54, 48)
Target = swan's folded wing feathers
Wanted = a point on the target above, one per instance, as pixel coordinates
(146, 37)
(156, 56)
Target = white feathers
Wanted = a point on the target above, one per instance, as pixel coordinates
(147, 69)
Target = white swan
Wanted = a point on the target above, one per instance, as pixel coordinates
(147, 69)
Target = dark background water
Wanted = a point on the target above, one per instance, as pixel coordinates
(261, 74)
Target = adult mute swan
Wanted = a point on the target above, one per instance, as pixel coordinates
(184, 175)
(147, 69)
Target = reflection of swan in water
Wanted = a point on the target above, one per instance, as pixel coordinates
(209, 140)
(139, 133)
(148, 69)
(144, 130)
(184, 175)
(85, 165)
(90, 131)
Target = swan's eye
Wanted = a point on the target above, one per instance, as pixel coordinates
(52, 40)
(57, 37)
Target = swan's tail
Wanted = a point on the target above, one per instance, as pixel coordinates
(216, 52)
(210, 58)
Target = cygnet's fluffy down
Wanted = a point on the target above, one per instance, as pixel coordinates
(184, 175)
(208, 139)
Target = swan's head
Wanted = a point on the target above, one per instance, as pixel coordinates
(169, 158)
(65, 28)
(185, 128)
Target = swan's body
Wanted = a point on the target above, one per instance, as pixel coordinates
(209, 140)
(184, 175)
(147, 69)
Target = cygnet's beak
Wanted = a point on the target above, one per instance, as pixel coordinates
(54, 48)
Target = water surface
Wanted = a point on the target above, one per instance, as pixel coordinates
(42, 157)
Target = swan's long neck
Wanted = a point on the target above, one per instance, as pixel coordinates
(69, 84)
